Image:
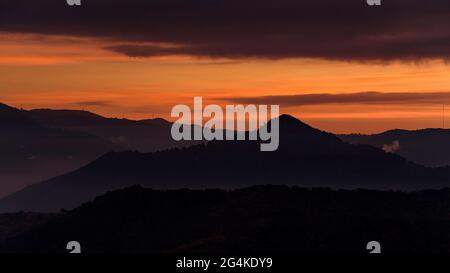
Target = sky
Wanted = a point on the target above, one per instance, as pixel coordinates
(341, 66)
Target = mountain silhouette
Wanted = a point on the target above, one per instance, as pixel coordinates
(12, 118)
(306, 157)
(31, 152)
(259, 219)
(428, 147)
(39, 144)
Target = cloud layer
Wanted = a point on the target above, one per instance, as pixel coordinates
(351, 98)
(409, 30)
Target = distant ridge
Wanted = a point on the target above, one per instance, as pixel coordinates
(428, 147)
(141, 135)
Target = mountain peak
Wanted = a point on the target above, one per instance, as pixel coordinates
(294, 126)
(287, 117)
(288, 120)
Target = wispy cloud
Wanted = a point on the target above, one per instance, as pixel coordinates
(347, 98)
(93, 103)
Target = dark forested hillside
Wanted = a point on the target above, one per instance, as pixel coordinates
(251, 220)
(13, 224)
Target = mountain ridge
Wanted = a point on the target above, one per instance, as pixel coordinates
(306, 157)
(43, 143)
(32, 152)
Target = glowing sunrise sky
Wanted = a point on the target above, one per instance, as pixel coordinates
(80, 70)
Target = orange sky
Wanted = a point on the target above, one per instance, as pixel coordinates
(38, 71)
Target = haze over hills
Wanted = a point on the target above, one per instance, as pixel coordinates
(31, 152)
(428, 147)
(306, 157)
(39, 144)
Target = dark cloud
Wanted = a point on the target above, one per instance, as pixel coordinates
(351, 30)
(133, 50)
(351, 98)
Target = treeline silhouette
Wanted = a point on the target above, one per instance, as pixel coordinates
(258, 219)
